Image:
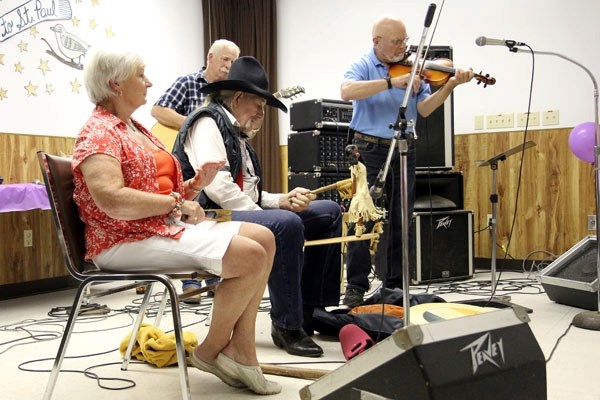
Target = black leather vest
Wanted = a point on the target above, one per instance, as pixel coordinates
(230, 135)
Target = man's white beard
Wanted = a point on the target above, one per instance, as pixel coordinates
(396, 59)
(248, 129)
(250, 134)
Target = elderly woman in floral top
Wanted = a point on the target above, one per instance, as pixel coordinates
(138, 212)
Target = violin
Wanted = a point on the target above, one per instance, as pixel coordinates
(436, 71)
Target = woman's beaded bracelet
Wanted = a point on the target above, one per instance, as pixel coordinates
(176, 211)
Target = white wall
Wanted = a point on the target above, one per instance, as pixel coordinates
(166, 34)
(317, 40)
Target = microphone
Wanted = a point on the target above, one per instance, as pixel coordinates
(429, 16)
(483, 41)
(377, 189)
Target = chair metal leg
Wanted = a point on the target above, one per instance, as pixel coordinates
(62, 348)
(136, 327)
(161, 308)
(177, 327)
(182, 365)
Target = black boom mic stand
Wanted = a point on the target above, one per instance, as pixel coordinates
(400, 138)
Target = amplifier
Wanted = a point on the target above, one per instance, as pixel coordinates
(320, 113)
(438, 190)
(492, 355)
(317, 151)
(444, 246)
(572, 278)
(314, 180)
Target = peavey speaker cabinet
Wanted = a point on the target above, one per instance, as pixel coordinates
(444, 246)
(490, 356)
(572, 278)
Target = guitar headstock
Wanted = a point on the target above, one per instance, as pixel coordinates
(289, 92)
(485, 79)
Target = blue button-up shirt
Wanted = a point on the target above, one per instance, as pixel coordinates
(373, 115)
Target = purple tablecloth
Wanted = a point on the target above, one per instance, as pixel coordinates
(23, 197)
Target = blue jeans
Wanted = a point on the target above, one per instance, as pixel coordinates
(301, 278)
(359, 258)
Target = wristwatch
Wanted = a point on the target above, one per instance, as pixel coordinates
(388, 79)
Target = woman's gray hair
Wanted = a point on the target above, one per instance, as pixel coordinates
(105, 64)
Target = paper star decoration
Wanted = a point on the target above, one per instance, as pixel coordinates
(31, 89)
(75, 21)
(33, 31)
(75, 86)
(3, 93)
(23, 46)
(18, 67)
(109, 32)
(93, 23)
(44, 66)
(49, 89)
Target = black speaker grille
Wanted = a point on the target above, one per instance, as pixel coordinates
(432, 139)
(317, 150)
(444, 248)
(582, 268)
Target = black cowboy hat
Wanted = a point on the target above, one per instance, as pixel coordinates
(246, 75)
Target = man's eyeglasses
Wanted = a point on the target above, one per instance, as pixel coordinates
(396, 42)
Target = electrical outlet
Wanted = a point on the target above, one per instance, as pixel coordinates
(478, 122)
(500, 121)
(509, 121)
(491, 121)
(27, 238)
(534, 119)
(591, 222)
(550, 117)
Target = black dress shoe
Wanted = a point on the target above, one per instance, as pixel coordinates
(295, 342)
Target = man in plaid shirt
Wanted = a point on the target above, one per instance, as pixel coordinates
(184, 96)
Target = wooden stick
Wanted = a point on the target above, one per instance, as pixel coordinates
(333, 186)
(293, 372)
(324, 188)
(341, 239)
(218, 214)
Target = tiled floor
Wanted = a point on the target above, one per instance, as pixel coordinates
(28, 334)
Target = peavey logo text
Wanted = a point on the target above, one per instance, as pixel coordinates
(483, 350)
(444, 223)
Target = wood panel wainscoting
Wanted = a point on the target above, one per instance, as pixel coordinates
(28, 270)
(556, 193)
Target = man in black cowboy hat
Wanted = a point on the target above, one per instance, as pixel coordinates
(301, 280)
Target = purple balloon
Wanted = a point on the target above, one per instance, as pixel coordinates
(582, 141)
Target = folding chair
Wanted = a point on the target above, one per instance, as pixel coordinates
(58, 178)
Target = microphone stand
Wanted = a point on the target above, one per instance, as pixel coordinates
(400, 137)
(586, 319)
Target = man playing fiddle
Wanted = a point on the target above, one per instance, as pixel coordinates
(376, 98)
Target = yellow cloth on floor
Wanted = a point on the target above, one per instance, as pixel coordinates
(155, 347)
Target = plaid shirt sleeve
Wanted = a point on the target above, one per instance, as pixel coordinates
(184, 94)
